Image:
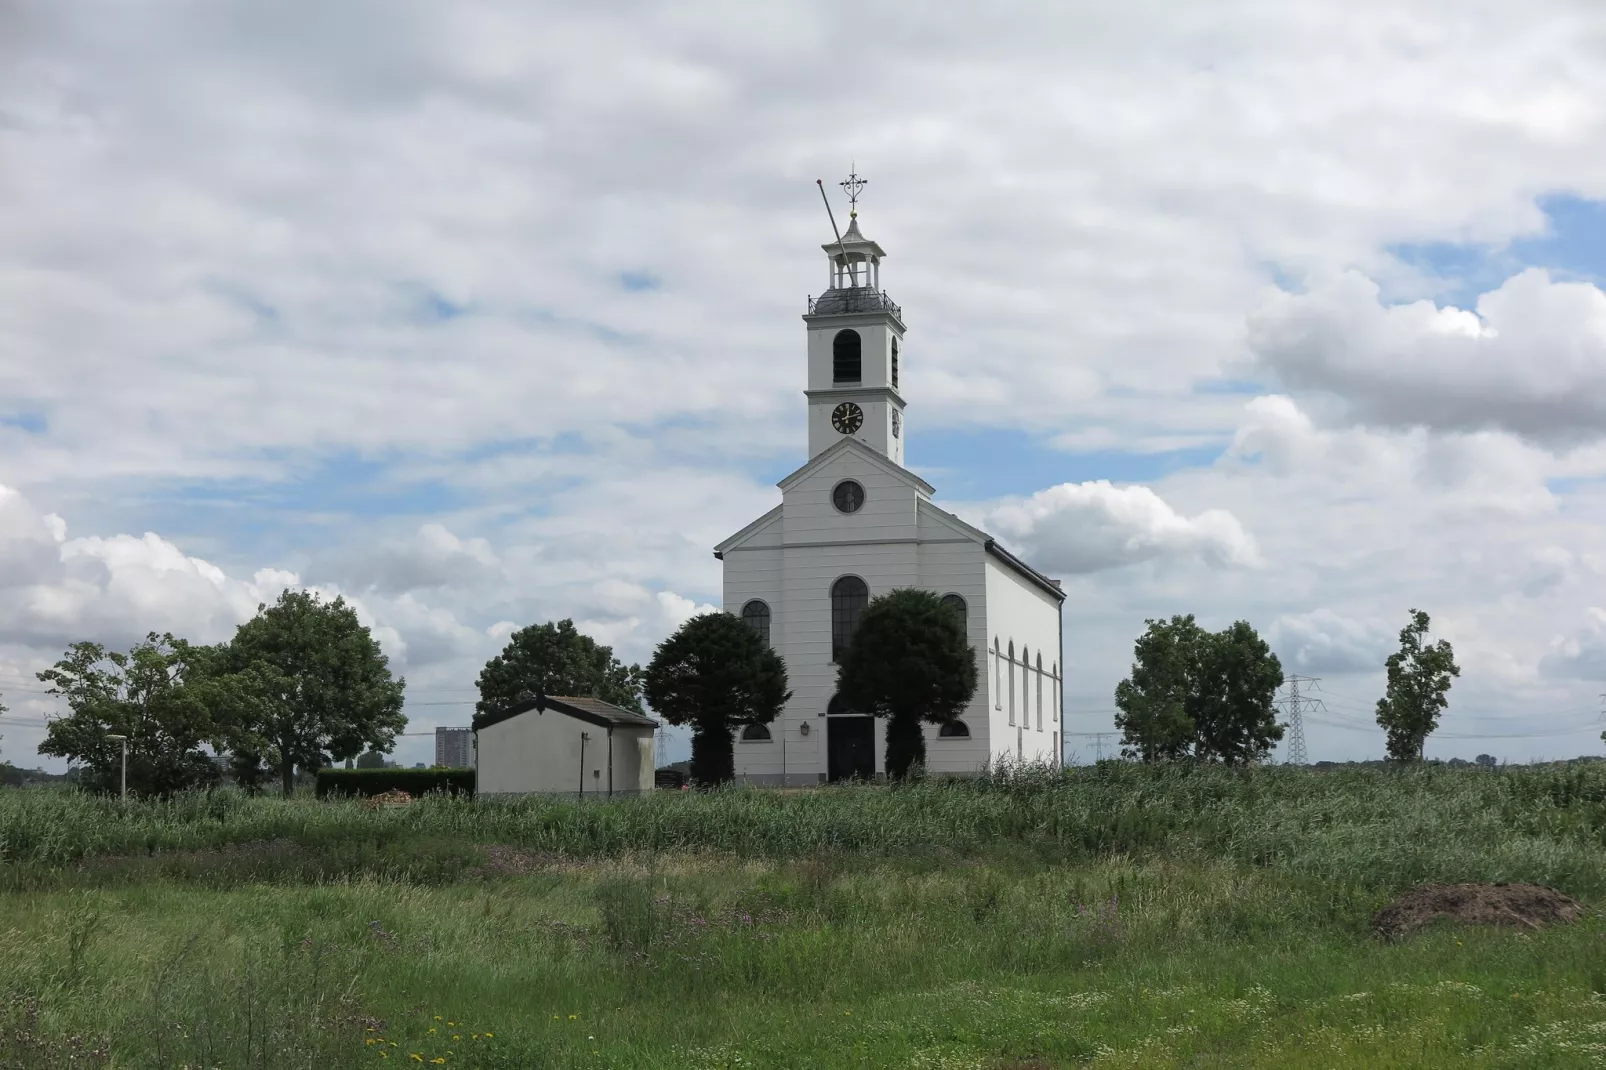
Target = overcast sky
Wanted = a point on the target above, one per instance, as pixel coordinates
(485, 314)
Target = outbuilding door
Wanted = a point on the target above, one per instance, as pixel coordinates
(850, 747)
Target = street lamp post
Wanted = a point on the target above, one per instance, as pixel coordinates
(124, 741)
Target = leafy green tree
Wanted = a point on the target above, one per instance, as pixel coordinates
(1199, 694)
(910, 662)
(1419, 676)
(557, 659)
(1156, 701)
(716, 675)
(306, 683)
(155, 694)
(370, 760)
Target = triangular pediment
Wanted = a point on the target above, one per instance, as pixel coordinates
(858, 449)
(756, 528)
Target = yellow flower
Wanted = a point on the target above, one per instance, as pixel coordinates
(438, 1059)
(554, 1017)
(490, 1034)
(847, 1012)
(456, 1037)
(432, 1030)
(415, 1057)
(572, 1017)
(448, 1023)
(437, 1017)
(384, 1055)
(369, 1042)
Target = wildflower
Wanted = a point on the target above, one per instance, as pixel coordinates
(490, 1034)
(416, 1057)
(449, 1023)
(438, 1059)
(437, 1017)
(847, 1012)
(572, 1017)
(384, 1055)
(456, 1037)
(432, 1030)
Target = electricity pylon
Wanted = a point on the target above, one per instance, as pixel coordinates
(1296, 707)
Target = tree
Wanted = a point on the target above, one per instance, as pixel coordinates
(370, 760)
(716, 675)
(307, 684)
(1194, 693)
(156, 695)
(1419, 677)
(910, 662)
(557, 659)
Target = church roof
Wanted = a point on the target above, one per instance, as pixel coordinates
(593, 710)
(854, 241)
(876, 457)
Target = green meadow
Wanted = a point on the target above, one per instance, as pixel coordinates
(1118, 916)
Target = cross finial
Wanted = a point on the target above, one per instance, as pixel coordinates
(852, 187)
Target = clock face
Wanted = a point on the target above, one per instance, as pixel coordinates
(847, 418)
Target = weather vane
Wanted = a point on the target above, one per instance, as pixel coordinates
(852, 187)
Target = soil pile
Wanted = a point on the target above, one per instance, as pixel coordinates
(1523, 906)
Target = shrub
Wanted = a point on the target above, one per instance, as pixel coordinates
(366, 782)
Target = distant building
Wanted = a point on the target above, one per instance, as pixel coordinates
(454, 748)
(560, 745)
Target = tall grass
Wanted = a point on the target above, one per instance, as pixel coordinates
(1385, 828)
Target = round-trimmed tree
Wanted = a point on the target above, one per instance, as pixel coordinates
(910, 662)
(716, 675)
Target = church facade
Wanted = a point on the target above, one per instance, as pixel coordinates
(854, 523)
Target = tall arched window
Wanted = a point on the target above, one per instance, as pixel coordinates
(998, 676)
(894, 364)
(1012, 681)
(756, 615)
(845, 359)
(957, 604)
(1039, 690)
(849, 596)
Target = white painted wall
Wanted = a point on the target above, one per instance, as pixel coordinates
(1022, 613)
(541, 753)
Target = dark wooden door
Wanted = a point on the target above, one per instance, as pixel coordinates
(850, 748)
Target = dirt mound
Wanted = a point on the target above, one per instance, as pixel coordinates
(1523, 906)
(393, 797)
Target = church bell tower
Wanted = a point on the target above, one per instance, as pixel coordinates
(855, 336)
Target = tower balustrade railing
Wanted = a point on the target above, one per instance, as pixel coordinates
(853, 299)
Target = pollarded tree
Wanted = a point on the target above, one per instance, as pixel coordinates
(154, 695)
(1199, 694)
(716, 675)
(910, 662)
(557, 659)
(307, 683)
(1418, 690)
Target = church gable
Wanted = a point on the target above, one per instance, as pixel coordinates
(851, 492)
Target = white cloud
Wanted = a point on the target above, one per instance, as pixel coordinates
(1324, 641)
(1531, 360)
(1581, 655)
(1087, 527)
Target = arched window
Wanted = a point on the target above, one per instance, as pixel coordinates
(1039, 690)
(1012, 681)
(756, 615)
(894, 364)
(849, 596)
(845, 361)
(957, 604)
(836, 706)
(954, 730)
(756, 733)
(998, 676)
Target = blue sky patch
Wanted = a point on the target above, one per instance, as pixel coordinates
(32, 422)
(638, 281)
(1572, 247)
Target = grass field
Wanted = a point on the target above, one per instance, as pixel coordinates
(1118, 917)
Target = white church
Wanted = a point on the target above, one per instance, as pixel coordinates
(854, 523)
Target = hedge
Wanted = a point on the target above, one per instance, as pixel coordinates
(415, 782)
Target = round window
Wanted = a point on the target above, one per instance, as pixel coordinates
(847, 496)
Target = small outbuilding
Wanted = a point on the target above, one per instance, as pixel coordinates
(558, 745)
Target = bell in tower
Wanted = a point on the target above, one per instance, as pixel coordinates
(855, 333)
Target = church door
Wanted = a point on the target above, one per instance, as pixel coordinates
(850, 748)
